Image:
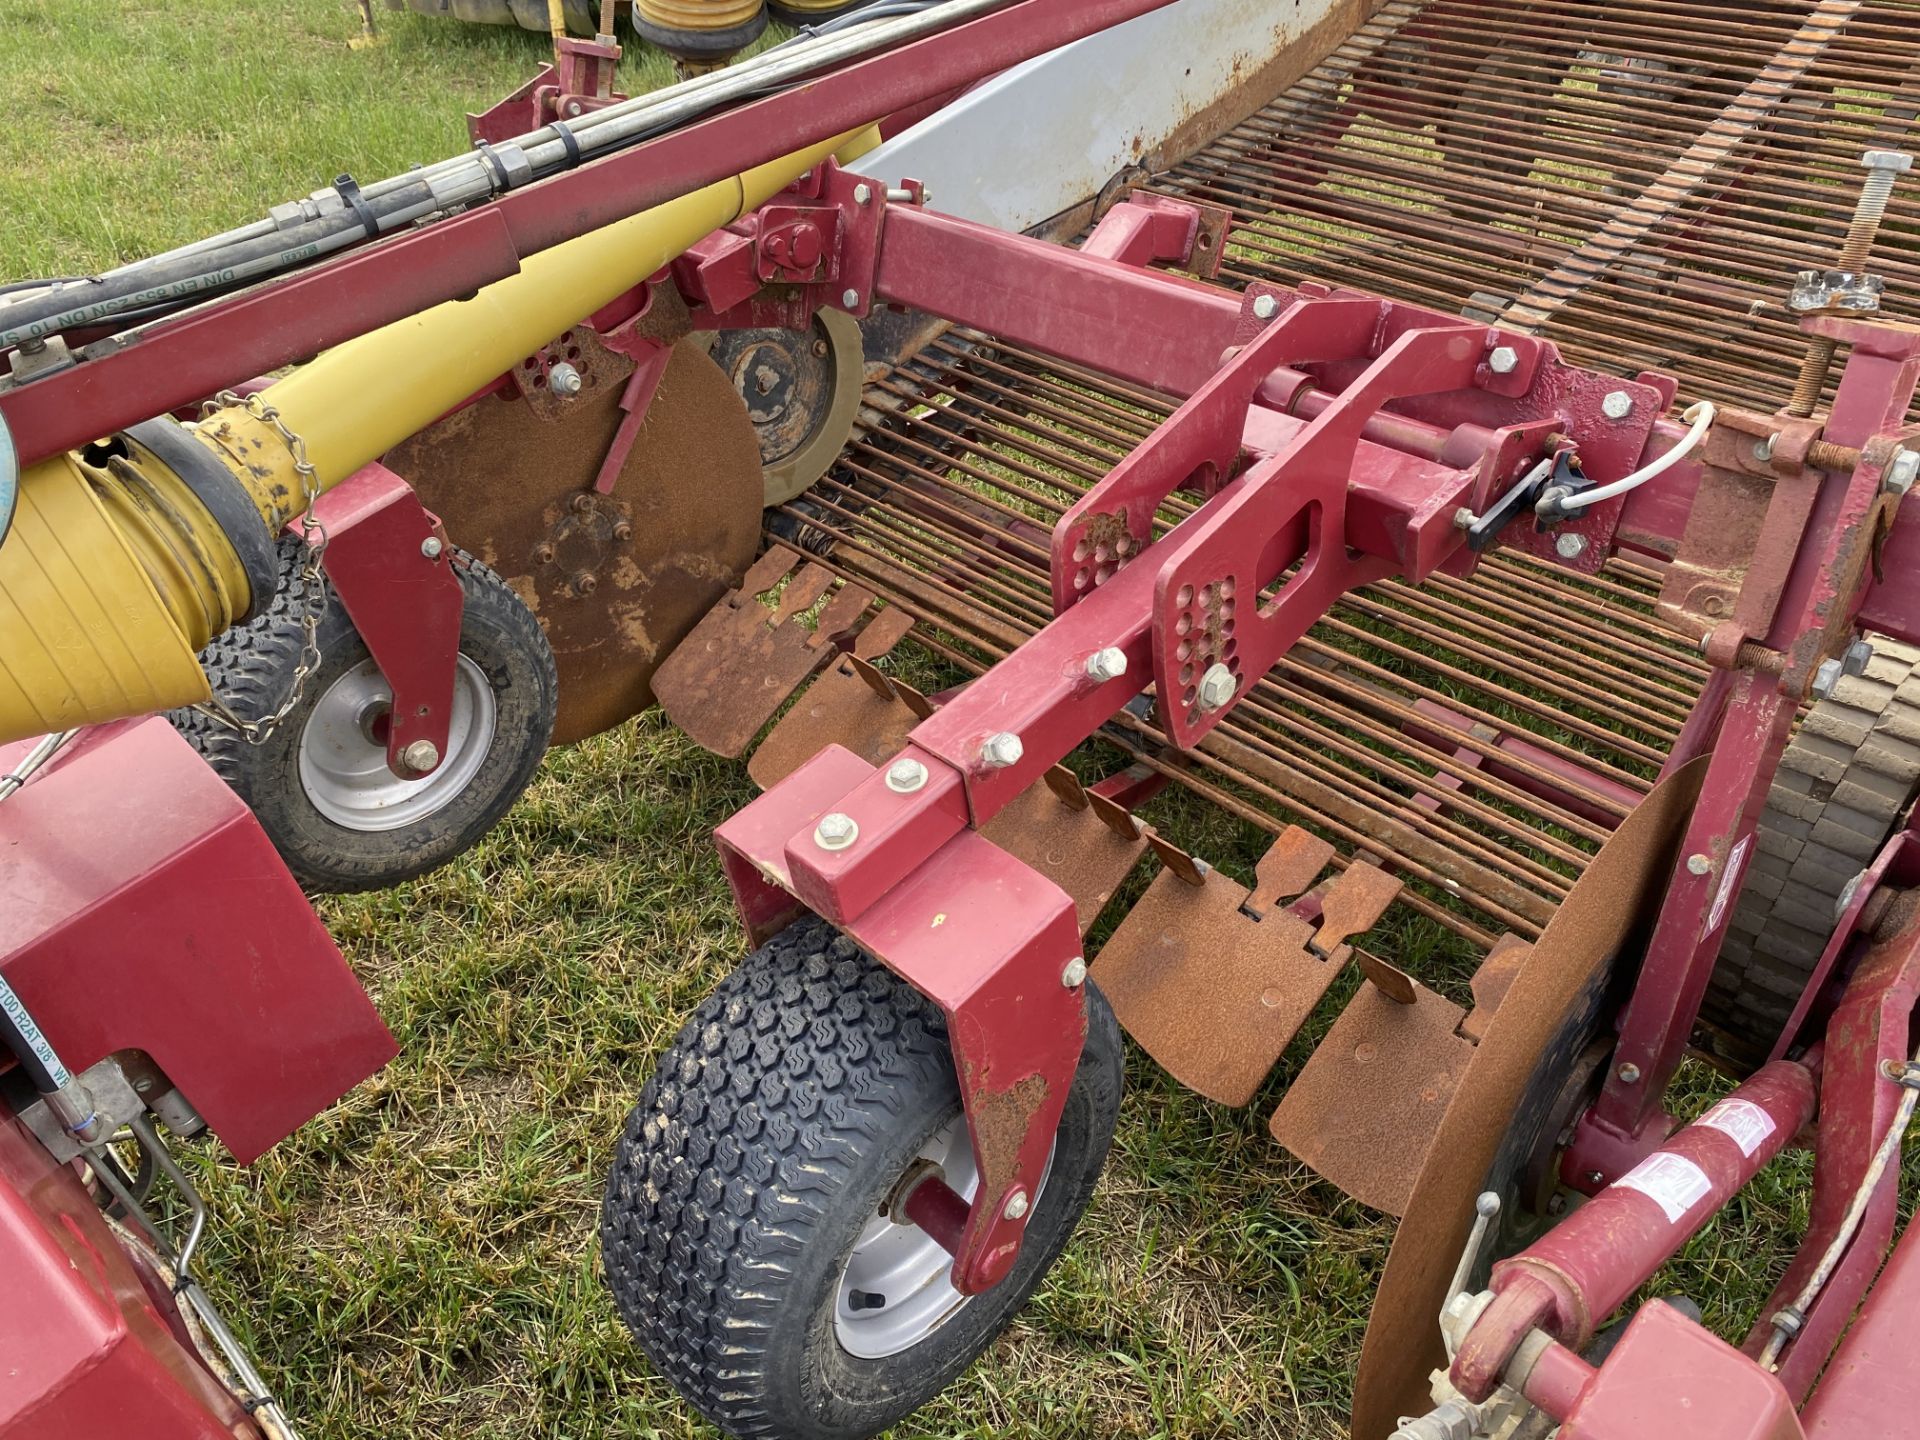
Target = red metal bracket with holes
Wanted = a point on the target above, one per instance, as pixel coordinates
(391, 567)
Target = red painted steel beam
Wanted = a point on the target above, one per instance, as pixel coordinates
(1873, 1385)
(1142, 326)
(133, 377)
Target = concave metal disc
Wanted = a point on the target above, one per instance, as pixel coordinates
(617, 580)
(1497, 1119)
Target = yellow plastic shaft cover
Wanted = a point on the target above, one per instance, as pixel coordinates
(86, 631)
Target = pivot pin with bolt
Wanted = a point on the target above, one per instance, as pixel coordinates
(1216, 687)
(420, 756)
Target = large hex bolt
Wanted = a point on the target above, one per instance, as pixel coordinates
(1107, 664)
(1216, 687)
(564, 380)
(1001, 750)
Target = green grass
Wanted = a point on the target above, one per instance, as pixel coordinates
(421, 1259)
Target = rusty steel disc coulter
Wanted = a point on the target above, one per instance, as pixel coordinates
(1494, 1124)
(617, 579)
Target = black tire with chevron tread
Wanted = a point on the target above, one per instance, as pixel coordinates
(1845, 781)
(772, 1130)
(251, 668)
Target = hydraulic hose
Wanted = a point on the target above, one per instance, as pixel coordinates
(124, 562)
(332, 220)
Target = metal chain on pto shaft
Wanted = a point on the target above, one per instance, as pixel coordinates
(313, 602)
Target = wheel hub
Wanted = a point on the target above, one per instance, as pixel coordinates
(343, 755)
(897, 1286)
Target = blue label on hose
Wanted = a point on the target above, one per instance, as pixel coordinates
(9, 479)
(24, 1027)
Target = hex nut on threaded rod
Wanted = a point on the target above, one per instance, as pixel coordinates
(1883, 168)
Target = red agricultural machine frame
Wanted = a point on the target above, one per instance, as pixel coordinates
(1330, 439)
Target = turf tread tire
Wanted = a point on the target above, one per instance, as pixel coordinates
(808, 1078)
(1847, 777)
(250, 667)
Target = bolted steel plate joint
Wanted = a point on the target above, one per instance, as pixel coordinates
(1075, 975)
(906, 776)
(1629, 1073)
(1216, 687)
(1699, 865)
(1265, 307)
(1616, 405)
(1503, 359)
(1570, 547)
(1107, 664)
(850, 298)
(431, 547)
(835, 831)
(420, 757)
(1001, 750)
(1901, 472)
(564, 380)
(863, 194)
(1016, 1205)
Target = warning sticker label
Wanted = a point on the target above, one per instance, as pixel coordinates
(1729, 883)
(1742, 1121)
(1672, 1182)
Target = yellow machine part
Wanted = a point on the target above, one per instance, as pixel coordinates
(698, 15)
(360, 399)
(112, 578)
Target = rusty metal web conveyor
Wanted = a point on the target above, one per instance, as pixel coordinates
(1626, 179)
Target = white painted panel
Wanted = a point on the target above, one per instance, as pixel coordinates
(1049, 133)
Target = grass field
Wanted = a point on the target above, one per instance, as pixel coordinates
(421, 1260)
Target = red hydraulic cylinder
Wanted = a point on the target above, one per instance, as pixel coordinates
(1581, 1271)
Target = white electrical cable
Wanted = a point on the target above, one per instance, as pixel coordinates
(1698, 415)
(1786, 1324)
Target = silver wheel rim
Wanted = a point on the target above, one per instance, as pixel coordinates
(343, 768)
(906, 1265)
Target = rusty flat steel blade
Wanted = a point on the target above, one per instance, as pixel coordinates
(1213, 994)
(1363, 1109)
(1352, 904)
(839, 708)
(742, 661)
(1072, 848)
(1292, 863)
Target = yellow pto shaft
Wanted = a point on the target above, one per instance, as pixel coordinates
(117, 571)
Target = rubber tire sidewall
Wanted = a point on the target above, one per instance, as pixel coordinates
(499, 636)
(858, 1397)
(746, 1332)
